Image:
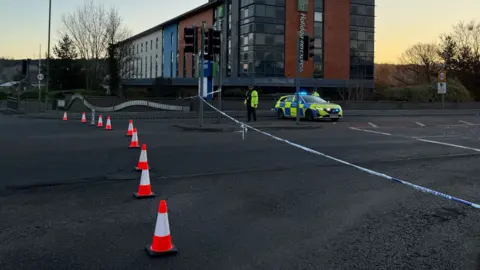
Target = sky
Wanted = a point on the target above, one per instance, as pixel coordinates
(399, 23)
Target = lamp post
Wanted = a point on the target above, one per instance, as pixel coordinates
(48, 53)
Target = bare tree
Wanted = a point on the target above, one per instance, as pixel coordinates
(92, 29)
(422, 60)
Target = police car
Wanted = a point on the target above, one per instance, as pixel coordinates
(310, 108)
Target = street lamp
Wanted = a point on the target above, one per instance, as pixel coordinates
(48, 52)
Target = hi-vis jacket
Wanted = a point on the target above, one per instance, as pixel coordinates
(251, 99)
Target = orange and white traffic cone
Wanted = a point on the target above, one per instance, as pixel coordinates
(100, 121)
(142, 162)
(162, 241)
(84, 118)
(130, 129)
(134, 142)
(144, 189)
(65, 116)
(108, 126)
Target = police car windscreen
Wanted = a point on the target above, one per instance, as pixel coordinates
(313, 99)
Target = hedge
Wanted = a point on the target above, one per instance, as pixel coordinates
(428, 93)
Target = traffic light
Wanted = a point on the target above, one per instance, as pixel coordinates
(308, 47)
(212, 42)
(190, 39)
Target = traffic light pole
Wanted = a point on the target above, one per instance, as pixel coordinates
(297, 85)
(201, 66)
(223, 63)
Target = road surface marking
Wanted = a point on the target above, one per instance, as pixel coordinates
(363, 169)
(372, 125)
(421, 140)
(376, 132)
(467, 123)
(450, 144)
(420, 124)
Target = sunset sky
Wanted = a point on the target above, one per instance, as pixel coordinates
(399, 23)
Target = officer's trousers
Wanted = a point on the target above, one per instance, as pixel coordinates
(251, 113)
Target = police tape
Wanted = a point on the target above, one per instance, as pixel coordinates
(196, 96)
(382, 175)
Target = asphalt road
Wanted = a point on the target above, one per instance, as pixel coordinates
(66, 196)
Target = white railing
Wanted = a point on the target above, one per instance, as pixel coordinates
(130, 103)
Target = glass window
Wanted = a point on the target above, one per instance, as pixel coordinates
(318, 16)
(289, 99)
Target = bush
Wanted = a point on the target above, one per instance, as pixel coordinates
(428, 93)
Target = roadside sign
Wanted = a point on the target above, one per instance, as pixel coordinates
(442, 76)
(40, 77)
(442, 87)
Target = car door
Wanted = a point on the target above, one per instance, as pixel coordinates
(288, 106)
(294, 107)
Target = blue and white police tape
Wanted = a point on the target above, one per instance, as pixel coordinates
(417, 187)
(196, 96)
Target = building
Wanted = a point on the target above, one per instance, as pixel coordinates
(262, 48)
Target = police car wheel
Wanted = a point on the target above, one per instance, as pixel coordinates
(280, 114)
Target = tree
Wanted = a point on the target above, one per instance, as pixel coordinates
(92, 29)
(65, 49)
(422, 60)
(460, 53)
(66, 72)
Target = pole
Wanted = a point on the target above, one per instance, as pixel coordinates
(223, 58)
(443, 101)
(297, 86)
(48, 53)
(200, 65)
(39, 72)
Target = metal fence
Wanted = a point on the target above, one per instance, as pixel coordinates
(13, 103)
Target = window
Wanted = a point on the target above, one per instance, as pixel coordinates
(141, 48)
(151, 65)
(171, 39)
(318, 16)
(156, 44)
(289, 99)
(171, 63)
(362, 38)
(146, 46)
(146, 70)
(184, 65)
(262, 38)
(156, 65)
(151, 44)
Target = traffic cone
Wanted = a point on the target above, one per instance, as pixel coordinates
(144, 189)
(108, 126)
(134, 141)
(84, 118)
(100, 121)
(142, 162)
(162, 241)
(130, 128)
(65, 116)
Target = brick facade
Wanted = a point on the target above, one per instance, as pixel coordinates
(205, 16)
(292, 26)
(337, 39)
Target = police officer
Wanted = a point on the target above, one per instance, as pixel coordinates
(315, 93)
(251, 101)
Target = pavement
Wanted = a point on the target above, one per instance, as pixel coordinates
(66, 196)
(240, 114)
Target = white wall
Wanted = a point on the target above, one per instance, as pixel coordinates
(144, 50)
